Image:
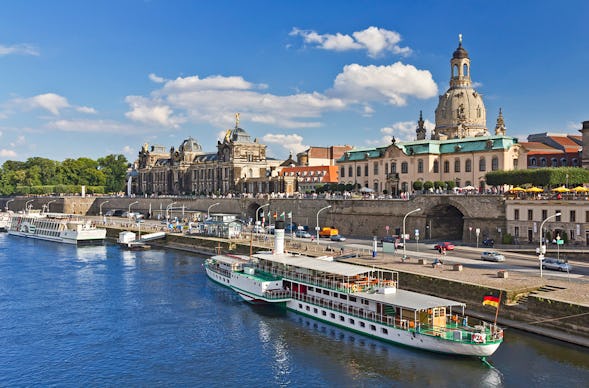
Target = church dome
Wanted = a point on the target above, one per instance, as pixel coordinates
(461, 106)
(460, 52)
(190, 145)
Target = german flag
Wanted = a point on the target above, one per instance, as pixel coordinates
(491, 301)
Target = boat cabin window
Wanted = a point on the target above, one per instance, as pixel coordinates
(385, 331)
(341, 318)
(311, 289)
(343, 296)
(352, 298)
(364, 301)
(362, 324)
(325, 292)
(372, 327)
(351, 321)
(323, 312)
(335, 294)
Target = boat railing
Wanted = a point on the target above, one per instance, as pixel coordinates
(490, 333)
(277, 294)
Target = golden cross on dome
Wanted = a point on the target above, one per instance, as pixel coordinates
(460, 38)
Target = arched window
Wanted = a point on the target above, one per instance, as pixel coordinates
(393, 167)
(554, 162)
(343, 172)
(404, 186)
(575, 162)
(454, 71)
(533, 162)
(359, 171)
(495, 163)
(482, 164)
(465, 70)
(468, 165)
(350, 171)
(563, 162)
(543, 162)
(456, 165)
(436, 167)
(386, 168)
(404, 168)
(446, 166)
(420, 166)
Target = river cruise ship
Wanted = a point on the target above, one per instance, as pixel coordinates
(56, 227)
(361, 299)
(4, 221)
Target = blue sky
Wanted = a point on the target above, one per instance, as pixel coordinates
(91, 78)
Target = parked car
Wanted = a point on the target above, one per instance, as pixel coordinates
(388, 239)
(258, 229)
(302, 234)
(337, 237)
(488, 242)
(448, 246)
(556, 265)
(492, 256)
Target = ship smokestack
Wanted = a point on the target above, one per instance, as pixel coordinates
(279, 237)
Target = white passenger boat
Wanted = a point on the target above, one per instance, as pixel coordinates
(4, 221)
(361, 299)
(56, 227)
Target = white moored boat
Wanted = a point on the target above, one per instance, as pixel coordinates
(361, 299)
(4, 221)
(56, 227)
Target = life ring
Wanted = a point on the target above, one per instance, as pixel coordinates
(478, 338)
(354, 288)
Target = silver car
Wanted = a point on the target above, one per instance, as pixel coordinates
(492, 256)
(556, 265)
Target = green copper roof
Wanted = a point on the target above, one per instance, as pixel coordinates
(422, 147)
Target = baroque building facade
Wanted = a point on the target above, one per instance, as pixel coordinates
(460, 150)
(239, 165)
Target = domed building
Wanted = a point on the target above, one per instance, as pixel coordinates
(461, 111)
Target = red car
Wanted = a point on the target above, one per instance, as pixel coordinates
(448, 246)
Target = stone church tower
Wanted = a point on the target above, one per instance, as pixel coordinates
(461, 111)
(585, 153)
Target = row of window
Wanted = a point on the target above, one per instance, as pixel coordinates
(420, 167)
(342, 318)
(543, 162)
(572, 215)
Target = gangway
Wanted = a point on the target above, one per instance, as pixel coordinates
(152, 236)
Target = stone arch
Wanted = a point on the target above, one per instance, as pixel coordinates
(444, 221)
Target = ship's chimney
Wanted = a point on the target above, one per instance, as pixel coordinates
(279, 237)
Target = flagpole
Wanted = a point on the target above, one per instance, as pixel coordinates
(498, 304)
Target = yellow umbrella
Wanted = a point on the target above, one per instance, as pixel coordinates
(561, 189)
(580, 189)
(517, 189)
(534, 189)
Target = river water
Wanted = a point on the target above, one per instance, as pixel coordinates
(101, 316)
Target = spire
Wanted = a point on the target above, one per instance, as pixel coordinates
(420, 131)
(237, 120)
(500, 126)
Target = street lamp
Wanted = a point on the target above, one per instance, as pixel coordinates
(541, 250)
(7, 202)
(317, 227)
(27, 204)
(258, 211)
(168, 209)
(404, 234)
(131, 204)
(46, 206)
(209, 209)
(100, 206)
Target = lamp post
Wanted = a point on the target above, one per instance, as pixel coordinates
(168, 210)
(27, 204)
(7, 202)
(404, 234)
(258, 211)
(317, 225)
(131, 204)
(46, 206)
(209, 209)
(542, 249)
(100, 206)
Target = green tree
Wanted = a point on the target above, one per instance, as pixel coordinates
(418, 185)
(114, 168)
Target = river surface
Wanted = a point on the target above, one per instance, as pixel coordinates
(101, 316)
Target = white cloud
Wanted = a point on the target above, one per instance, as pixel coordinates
(151, 112)
(22, 49)
(86, 109)
(403, 131)
(292, 143)
(215, 99)
(374, 40)
(4, 153)
(391, 84)
(105, 126)
(20, 140)
(49, 101)
(156, 79)
(128, 150)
